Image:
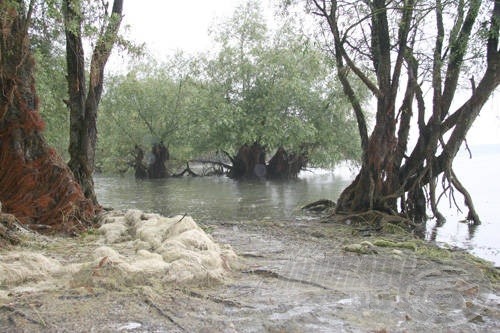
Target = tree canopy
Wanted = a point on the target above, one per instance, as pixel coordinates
(274, 87)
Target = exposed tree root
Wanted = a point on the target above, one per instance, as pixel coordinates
(374, 220)
(186, 170)
(35, 183)
(472, 215)
(320, 205)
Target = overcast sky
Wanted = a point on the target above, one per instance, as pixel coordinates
(170, 25)
(167, 26)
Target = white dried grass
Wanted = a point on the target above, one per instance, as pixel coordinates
(132, 246)
(18, 267)
(176, 247)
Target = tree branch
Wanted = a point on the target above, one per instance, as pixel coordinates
(458, 49)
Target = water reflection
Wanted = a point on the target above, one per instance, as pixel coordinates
(218, 198)
(215, 199)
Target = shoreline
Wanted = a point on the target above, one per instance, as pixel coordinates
(290, 277)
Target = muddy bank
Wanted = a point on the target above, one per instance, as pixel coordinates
(295, 276)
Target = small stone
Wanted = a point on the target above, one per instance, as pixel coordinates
(397, 252)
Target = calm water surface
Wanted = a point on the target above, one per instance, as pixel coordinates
(216, 199)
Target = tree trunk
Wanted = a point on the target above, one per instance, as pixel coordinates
(388, 172)
(285, 165)
(35, 184)
(83, 104)
(157, 168)
(250, 163)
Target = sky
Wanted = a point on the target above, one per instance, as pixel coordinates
(168, 26)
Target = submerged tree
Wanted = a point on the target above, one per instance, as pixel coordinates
(276, 88)
(399, 49)
(83, 102)
(35, 184)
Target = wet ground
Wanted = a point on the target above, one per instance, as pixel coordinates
(302, 276)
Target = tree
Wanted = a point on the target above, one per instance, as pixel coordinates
(52, 89)
(276, 88)
(35, 184)
(47, 40)
(83, 103)
(153, 103)
(398, 49)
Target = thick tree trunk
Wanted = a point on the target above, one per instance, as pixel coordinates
(250, 163)
(388, 173)
(286, 166)
(35, 184)
(141, 171)
(83, 105)
(157, 168)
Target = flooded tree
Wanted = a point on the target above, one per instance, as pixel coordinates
(250, 163)
(35, 184)
(399, 50)
(83, 103)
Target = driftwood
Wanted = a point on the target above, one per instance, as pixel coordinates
(320, 205)
(186, 170)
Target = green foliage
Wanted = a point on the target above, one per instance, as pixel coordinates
(48, 42)
(273, 88)
(152, 103)
(280, 90)
(52, 90)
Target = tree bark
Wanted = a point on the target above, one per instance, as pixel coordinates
(35, 184)
(83, 104)
(388, 173)
(250, 163)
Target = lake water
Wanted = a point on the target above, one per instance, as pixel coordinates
(218, 199)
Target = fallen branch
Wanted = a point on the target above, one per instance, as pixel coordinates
(215, 299)
(222, 164)
(20, 313)
(188, 170)
(163, 313)
(274, 275)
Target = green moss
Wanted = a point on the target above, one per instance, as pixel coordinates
(490, 271)
(207, 228)
(90, 233)
(411, 245)
(434, 252)
(391, 228)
